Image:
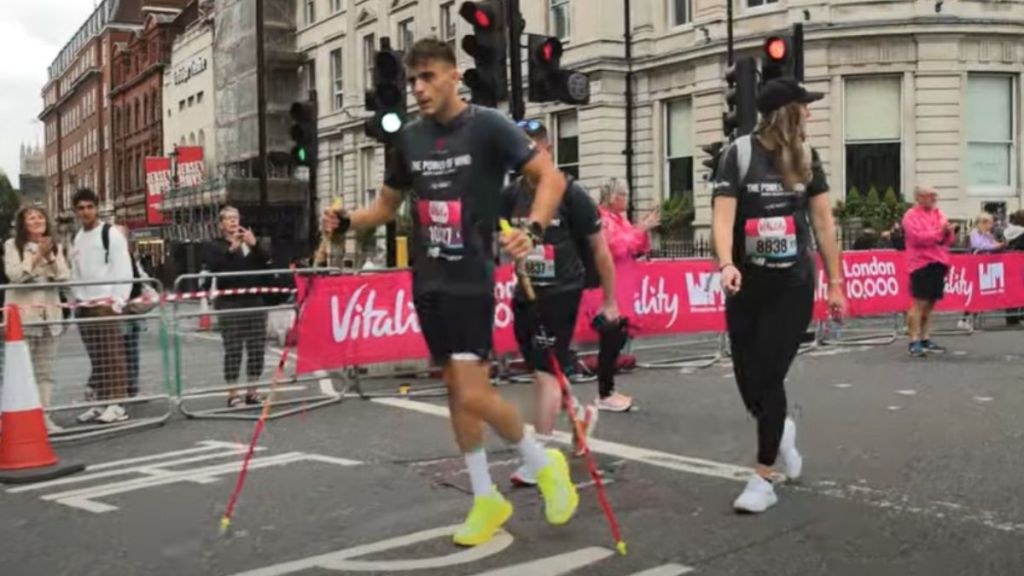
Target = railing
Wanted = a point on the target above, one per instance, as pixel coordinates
(167, 349)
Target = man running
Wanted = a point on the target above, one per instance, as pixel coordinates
(559, 275)
(453, 161)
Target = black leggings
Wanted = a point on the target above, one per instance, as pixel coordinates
(246, 330)
(613, 338)
(766, 321)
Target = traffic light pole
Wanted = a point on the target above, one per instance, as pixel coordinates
(630, 204)
(516, 105)
(391, 228)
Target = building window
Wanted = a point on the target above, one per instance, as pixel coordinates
(192, 139)
(756, 3)
(406, 34)
(990, 128)
(181, 106)
(339, 172)
(447, 23)
(559, 18)
(191, 101)
(873, 119)
(310, 11)
(336, 6)
(369, 48)
(202, 138)
(337, 80)
(368, 185)
(199, 98)
(567, 149)
(679, 149)
(680, 12)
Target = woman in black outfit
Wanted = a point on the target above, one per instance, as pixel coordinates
(769, 190)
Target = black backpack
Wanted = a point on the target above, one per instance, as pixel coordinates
(591, 279)
(105, 237)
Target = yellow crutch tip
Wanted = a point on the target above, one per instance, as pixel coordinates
(621, 547)
(225, 523)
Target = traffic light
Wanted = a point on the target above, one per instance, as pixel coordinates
(488, 47)
(387, 98)
(714, 152)
(304, 133)
(784, 55)
(548, 81)
(740, 98)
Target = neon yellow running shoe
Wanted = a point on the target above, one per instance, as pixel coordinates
(488, 514)
(560, 497)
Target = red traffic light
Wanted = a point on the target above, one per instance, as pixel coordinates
(550, 50)
(478, 16)
(775, 47)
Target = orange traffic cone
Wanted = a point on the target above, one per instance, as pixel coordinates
(25, 452)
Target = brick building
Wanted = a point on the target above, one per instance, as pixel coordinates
(76, 105)
(136, 112)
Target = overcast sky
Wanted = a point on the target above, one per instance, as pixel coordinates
(32, 32)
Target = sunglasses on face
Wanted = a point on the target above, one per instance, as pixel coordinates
(530, 126)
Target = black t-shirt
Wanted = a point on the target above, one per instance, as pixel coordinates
(555, 266)
(772, 228)
(455, 173)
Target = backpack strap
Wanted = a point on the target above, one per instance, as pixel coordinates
(105, 237)
(744, 148)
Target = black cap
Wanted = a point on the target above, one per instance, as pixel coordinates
(778, 92)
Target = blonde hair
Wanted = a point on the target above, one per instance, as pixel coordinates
(783, 133)
(610, 189)
(228, 210)
(984, 217)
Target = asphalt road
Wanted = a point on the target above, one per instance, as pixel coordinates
(911, 467)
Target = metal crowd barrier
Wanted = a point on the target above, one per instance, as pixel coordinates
(97, 362)
(237, 340)
(865, 331)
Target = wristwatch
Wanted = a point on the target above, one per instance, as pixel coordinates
(535, 232)
(344, 222)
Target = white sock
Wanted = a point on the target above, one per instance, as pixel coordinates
(479, 473)
(532, 453)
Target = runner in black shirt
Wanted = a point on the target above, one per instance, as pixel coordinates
(766, 187)
(453, 161)
(558, 275)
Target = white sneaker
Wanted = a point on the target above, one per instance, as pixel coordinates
(90, 415)
(522, 477)
(964, 324)
(792, 461)
(113, 413)
(758, 496)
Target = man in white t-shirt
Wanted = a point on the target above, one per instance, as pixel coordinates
(100, 252)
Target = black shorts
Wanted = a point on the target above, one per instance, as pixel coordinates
(557, 314)
(456, 325)
(929, 283)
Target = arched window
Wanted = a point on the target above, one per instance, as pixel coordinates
(202, 138)
(192, 139)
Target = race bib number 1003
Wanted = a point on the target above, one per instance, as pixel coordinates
(771, 238)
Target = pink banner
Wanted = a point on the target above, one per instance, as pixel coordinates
(365, 319)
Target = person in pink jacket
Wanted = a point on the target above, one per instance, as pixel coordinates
(626, 242)
(928, 238)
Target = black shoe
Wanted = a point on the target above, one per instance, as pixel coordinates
(931, 347)
(916, 349)
(253, 398)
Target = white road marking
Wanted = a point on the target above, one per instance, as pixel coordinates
(554, 565)
(156, 470)
(982, 398)
(843, 386)
(893, 408)
(146, 470)
(666, 570)
(343, 559)
(859, 494)
(626, 452)
(906, 392)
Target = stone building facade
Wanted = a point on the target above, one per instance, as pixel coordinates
(918, 93)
